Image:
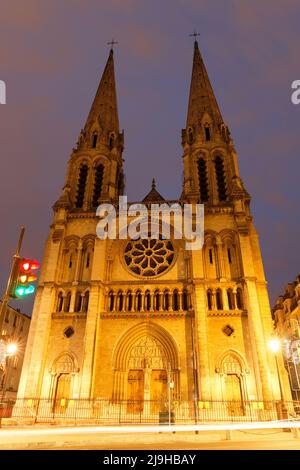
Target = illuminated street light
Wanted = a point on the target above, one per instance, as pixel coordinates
(274, 344)
(11, 349)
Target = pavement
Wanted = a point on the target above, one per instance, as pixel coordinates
(83, 438)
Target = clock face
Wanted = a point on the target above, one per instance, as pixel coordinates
(149, 257)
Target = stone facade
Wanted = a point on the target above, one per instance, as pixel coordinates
(202, 325)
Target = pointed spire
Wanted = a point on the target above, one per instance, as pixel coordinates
(202, 98)
(105, 107)
(153, 184)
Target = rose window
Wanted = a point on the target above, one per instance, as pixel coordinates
(149, 257)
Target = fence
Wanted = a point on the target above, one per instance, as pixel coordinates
(101, 411)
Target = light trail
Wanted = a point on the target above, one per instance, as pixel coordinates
(150, 429)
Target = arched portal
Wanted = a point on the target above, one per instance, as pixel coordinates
(145, 364)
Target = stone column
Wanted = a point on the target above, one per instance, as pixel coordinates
(201, 336)
(220, 258)
(225, 299)
(78, 261)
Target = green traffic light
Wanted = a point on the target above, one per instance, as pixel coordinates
(21, 291)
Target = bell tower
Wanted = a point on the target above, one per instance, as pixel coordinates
(211, 174)
(95, 170)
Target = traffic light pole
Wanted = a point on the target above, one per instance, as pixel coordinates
(6, 295)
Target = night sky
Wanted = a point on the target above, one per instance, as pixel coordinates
(52, 54)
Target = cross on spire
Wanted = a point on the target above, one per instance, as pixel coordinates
(112, 43)
(195, 34)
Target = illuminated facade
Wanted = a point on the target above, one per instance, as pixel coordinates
(118, 320)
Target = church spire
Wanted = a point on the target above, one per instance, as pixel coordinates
(202, 98)
(104, 110)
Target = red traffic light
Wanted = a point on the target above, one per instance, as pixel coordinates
(29, 264)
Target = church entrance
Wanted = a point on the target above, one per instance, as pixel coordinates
(62, 392)
(145, 365)
(234, 395)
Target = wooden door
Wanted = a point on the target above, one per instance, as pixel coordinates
(234, 397)
(159, 391)
(62, 392)
(135, 391)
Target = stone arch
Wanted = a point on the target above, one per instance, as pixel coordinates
(236, 356)
(131, 337)
(65, 362)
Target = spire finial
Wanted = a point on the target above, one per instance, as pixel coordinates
(195, 35)
(153, 183)
(112, 43)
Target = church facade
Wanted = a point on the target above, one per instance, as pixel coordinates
(140, 321)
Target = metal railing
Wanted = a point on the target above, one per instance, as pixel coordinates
(104, 411)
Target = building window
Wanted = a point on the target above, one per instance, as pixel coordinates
(87, 264)
(203, 184)
(70, 261)
(207, 133)
(67, 302)
(148, 301)
(219, 300)
(210, 253)
(94, 140)
(99, 170)
(82, 180)
(68, 332)
(7, 316)
(220, 175)
(111, 301)
(175, 301)
(60, 301)
(209, 299)
(15, 321)
(78, 302)
(185, 304)
(129, 301)
(239, 299)
(229, 255)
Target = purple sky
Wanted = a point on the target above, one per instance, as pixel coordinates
(52, 54)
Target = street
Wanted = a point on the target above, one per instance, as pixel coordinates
(83, 439)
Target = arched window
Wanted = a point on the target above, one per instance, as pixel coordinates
(99, 170)
(239, 299)
(85, 301)
(230, 297)
(220, 175)
(175, 300)
(190, 136)
(60, 301)
(82, 180)
(94, 140)
(67, 302)
(111, 298)
(120, 301)
(166, 301)
(139, 301)
(207, 132)
(156, 300)
(219, 300)
(147, 301)
(78, 302)
(209, 299)
(185, 305)
(203, 184)
(129, 301)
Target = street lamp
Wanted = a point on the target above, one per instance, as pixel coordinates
(275, 346)
(11, 350)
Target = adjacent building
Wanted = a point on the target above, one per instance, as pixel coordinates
(286, 314)
(14, 331)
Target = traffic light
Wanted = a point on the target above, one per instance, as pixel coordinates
(24, 277)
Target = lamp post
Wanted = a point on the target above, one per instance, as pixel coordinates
(275, 347)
